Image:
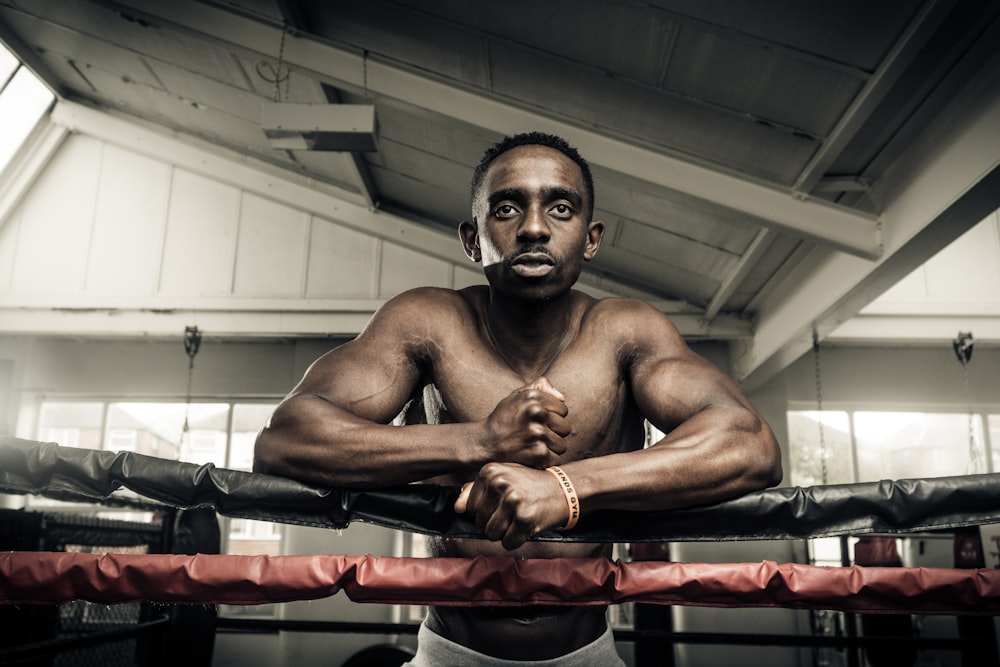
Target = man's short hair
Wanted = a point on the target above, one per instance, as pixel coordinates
(533, 139)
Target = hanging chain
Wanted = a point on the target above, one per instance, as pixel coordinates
(963, 346)
(973, 450)
(192, 341)
(819, 408)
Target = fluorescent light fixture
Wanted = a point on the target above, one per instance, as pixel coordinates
(319, 127)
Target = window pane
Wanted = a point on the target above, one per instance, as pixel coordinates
(994, 421)
(817, 437)
(8, 63)
(248, 418)
(159, 429)
(22, 104)
(900, 445)
(71, 424)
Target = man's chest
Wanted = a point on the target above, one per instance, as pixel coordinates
(600, 409)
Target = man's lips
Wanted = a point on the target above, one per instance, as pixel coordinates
(532, 264)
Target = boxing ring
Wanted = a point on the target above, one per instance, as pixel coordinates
(887, 508)
(881, 508)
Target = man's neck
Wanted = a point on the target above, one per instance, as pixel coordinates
(530, 336)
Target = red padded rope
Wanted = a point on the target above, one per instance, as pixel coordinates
(42, 577)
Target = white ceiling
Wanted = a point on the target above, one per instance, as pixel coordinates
(777, 164)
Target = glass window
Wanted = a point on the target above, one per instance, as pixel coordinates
(71, 424)
(23, 101)
(248, 418)
(994, 423)
(122, 439)
(820, 438)
(159, 429)
(901, 445)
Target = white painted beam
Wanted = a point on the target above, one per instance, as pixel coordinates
(916, 329)
(235, 316)
(115, 321)
(831, 225)
(75, 316)
(218, 323)
(946, 182)
(760, 243)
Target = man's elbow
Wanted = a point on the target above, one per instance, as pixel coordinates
(266, 452)
(768, 470)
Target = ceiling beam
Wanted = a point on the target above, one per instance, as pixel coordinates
(831, 225)
(915, 329)
(946, 181)
(758, 246)
(116, 319)
(902, 53)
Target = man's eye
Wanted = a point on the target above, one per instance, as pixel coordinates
(504, 210)
(562, 210)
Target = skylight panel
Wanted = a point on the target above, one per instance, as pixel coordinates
(23, 102)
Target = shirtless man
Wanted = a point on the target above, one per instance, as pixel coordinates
(516, 377)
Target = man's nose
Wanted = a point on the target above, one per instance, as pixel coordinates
(534, 226)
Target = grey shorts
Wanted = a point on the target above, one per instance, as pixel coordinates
(433, 650)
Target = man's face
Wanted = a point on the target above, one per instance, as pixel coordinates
(532, 223)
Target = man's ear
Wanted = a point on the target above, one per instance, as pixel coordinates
(595, 233)
(468, 232)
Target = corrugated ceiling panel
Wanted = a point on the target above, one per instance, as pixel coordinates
(640, 57)
(697, 258)
(795, 93)
(853, 32)
(438, 203)
(432, 133)
(53, 42)
(648, 115)
(656, 277)
(411, 37)
(233, 100)
(673, 212)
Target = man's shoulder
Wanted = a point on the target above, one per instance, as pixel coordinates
(425, 307)
(620, 310)
(435, 298)
(632, 322)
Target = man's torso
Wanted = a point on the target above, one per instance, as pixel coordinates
(466, 378)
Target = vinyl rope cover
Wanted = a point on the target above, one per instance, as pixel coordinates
(886, 507)
(31, 577)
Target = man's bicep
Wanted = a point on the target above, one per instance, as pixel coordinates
(671, 383)
(368, 381)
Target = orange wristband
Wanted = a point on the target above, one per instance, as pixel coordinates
(571, 499)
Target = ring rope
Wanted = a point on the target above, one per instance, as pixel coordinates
(50, 577)
(886, 507)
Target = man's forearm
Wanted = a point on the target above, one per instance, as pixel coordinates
(359, 454)
(719, 454)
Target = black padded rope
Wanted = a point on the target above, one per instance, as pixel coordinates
(887, 507)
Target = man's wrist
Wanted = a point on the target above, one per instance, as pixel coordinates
(572, 500)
